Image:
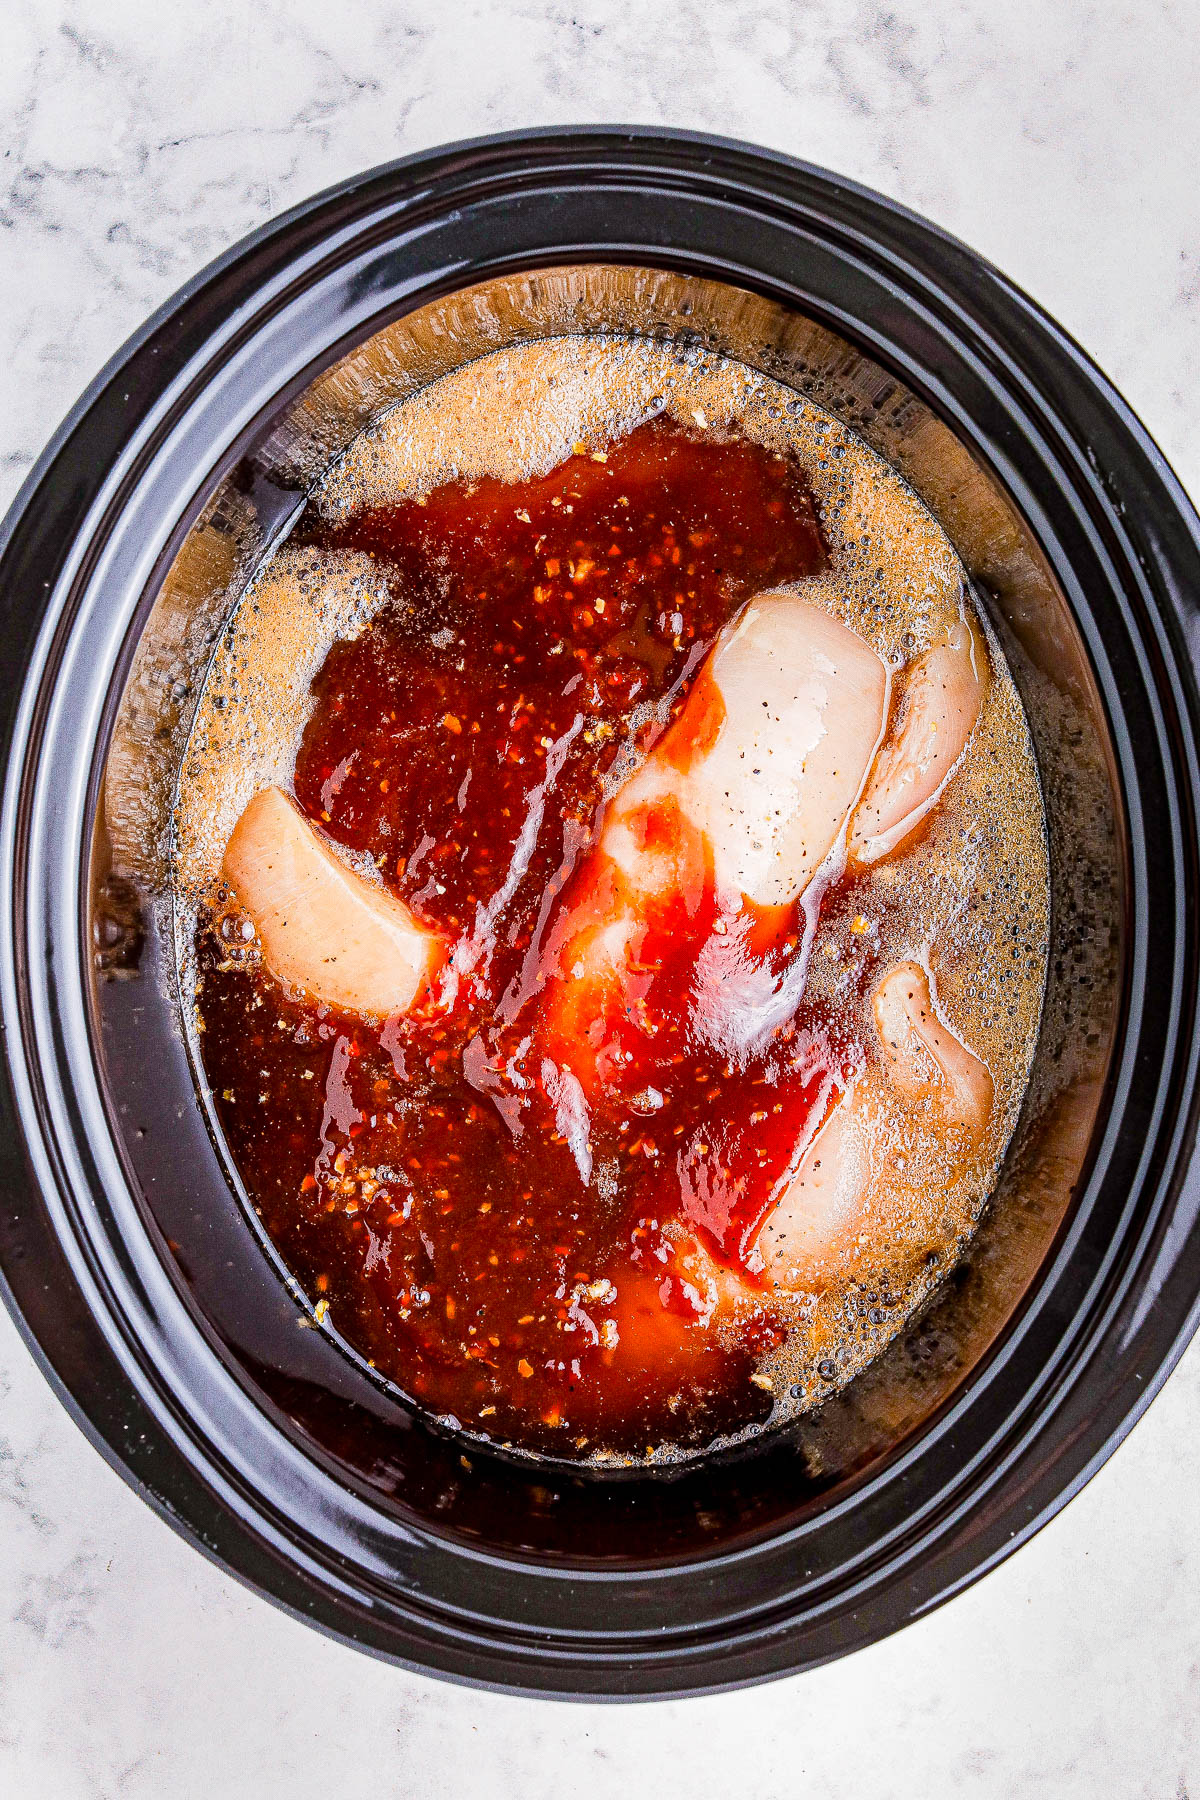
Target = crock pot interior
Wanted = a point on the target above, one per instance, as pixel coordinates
(314, 1388)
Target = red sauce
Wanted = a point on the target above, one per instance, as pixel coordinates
(431, 1178)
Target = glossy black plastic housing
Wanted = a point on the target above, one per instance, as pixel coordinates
(446, 1563)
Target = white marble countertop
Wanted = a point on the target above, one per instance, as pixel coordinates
(140, 138)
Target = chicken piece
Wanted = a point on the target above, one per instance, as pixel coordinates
(753, 781)
(925, 1061)
(824, 1200)
(662, 1319)
(322, 927)
(741, 800)
(775, 742)
(826, 1203)
(943, 693)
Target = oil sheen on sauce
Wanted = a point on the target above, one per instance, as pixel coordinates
(679, 1116)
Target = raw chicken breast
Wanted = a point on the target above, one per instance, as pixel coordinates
(847, 1165)
(754, 780)
(803, 701)
(323, 928)
(943, 692)
(823, 1201)
(925, 1060)
(741, 800)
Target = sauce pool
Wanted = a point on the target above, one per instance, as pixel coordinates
(498, 1236)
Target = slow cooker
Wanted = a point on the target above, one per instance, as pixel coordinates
(131, 1259)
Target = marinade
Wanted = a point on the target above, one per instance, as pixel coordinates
(581, 1193)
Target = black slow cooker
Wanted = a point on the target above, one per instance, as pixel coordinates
(130, 1257)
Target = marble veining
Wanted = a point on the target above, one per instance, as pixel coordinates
(1060, 137)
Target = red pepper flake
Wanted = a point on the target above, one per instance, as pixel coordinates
(525, 1368)
(452, 723)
